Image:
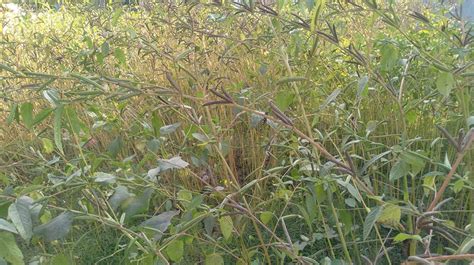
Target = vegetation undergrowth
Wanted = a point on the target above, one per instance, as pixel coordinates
(299, 132)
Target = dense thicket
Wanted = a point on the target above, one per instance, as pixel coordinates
(330, 132)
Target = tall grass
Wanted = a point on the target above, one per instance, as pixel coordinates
(290, 133)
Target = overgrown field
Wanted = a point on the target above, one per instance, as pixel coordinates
(302, 132)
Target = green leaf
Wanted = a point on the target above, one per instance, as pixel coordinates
(390, 215)
(402, 237)
(41, 116)
(61, 259)
(175, 250)
(389, 57)
(26, 113)
(168, 129)
(9, 249)
(105, 48)
(201, 137)
(58, 113)
(13, 114)
(48, 145)
(416, 161)
(105, 178)
(172, 163)
(57, 228)
(19, 213)
(226, 226)
(7, 226)
(115, 146)
(265, 217)
(160, 222)
(284, 99)
(362, 86)
(120, 56)
(458, 185)
(120, 195)
(74, 123)
(371, 126)
(445, 83)
(138, 204)
(370, 221)
(399, 170)
(214, 259)
(116, 15)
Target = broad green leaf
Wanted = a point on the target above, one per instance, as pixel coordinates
(153, 145)
(445, 83)
(175, 250)
(458, 185)
(226, 226)
(138, 204)
(120, 195)
(57, 228)
(41, 116)
(417, 162)
(120, 56)
(389, 57)
(115, 146)
(26, 113)
(48, 145)
(399, 170)
(105, 49)
(390, 215)
(402, 237)
(9, 250)
(265, 217)
(371, 126)
(172, 163)
(161, 222)
(284, 99)
(168, 129)
(58, 113)
(201, 137)
(7, 226)
(19, 213)
(214, 259)
(72, 120)
(209, 224)
(370, 221)
(106, 178)
(61, 259)
(321, 194)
